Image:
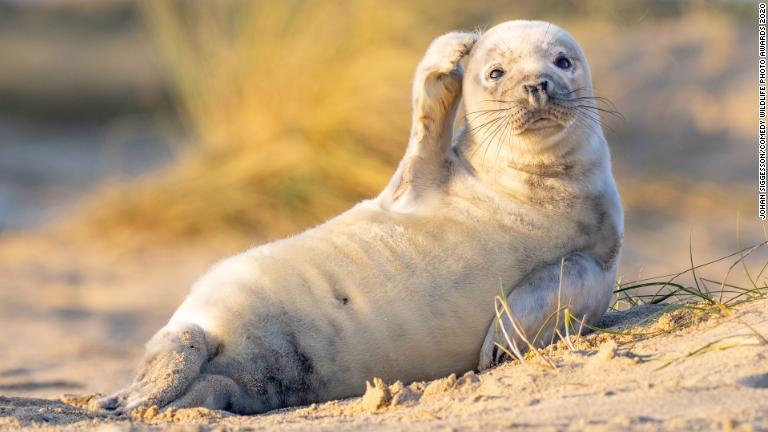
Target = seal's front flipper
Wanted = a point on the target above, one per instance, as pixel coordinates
(586, 290)
(171, 363)
(436, 93)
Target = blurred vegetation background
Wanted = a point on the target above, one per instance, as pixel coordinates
(140, 141)
(168, 122)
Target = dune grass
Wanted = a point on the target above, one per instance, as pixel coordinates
(680, 305)
(294, 110)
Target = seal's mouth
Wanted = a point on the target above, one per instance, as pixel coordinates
(502, 119)
(542, 123)
(517, 117)
(549, 119)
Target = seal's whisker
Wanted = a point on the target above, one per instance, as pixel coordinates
(610, 112)
(490, 128)
(486, 124)
(585, 124)
(498, 143)
(604, 100)
(493, 115)
(500, 101)
(582, 103)
(588, 118)
(485, 142)
(505, 138)
(579, 89)
(493, 141)
(500, 140)
(587, 115)
(589, 123)
(509, 49)
(483, 116)
(546, 32)
(600, 98)
(594, 119)
(488, 111)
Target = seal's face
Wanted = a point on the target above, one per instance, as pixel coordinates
(526, 81)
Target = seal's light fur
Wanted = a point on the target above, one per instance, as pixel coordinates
(402, 286)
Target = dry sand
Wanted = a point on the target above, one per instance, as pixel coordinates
(75, 318)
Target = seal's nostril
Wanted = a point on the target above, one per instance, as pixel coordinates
(535, 89)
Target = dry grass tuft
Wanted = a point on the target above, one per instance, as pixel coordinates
(296, 109)
(679, 306)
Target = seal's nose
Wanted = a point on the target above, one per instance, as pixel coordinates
(537, 92)
(538, 87)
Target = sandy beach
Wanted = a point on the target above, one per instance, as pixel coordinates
(141, 142)
(76, 326)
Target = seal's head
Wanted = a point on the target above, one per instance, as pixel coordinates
(527, 83)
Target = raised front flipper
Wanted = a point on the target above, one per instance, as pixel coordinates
(436, 92)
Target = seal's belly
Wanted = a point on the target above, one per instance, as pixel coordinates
(398, 297)
(407, 299)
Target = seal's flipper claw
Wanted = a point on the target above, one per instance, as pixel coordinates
(445, 53)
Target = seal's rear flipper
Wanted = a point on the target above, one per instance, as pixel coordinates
(171, 363)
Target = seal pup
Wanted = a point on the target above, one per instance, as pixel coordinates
(533, 136)
(402, 286)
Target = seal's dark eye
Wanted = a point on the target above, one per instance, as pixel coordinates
(496, 74)
(562, 62)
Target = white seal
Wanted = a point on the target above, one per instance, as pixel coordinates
(402, 286)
